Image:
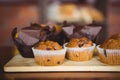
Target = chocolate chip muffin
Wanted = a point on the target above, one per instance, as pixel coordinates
(80, 49)
(109, 51)
(49, 53)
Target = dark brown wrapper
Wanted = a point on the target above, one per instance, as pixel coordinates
(25, 42)
(25, 51)
(89, 31)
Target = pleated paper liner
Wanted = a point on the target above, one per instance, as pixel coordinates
(79, 54)
(109, 56)
(49, 57)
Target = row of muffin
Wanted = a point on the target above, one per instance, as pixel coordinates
(28, 38)
(50, 53)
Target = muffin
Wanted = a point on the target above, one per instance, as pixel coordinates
(67, 12)
(79, 49)
(26, 37)
(109, 51)
(74, 13)
(49, 53)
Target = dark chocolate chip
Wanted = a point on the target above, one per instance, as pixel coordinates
(55, 49)
(48, 48)
(76, 55)
(105, 53)
(81, 40)
(58, 62)
(48, 60)
(80, 45)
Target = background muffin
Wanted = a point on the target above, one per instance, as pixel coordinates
(80, 49)
(49, 53)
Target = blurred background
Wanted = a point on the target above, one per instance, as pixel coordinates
(21, 13)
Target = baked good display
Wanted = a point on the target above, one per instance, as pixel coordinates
(109, 51)
(79, 49)
(49, 53)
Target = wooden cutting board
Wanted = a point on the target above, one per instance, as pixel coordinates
(20, 64)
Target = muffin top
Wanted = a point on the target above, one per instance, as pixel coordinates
(112, 43)
(80, 42)
(116, 36)
(48, 45)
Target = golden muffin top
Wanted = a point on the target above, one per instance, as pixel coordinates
(80, 42)
(112, 43)
(48, 45)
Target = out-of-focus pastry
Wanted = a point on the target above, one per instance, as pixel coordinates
(70, 12)
(96, 15)
(60, 12)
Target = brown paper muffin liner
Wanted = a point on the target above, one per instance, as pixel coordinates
(109, 56)
(79, 54)
(25, 51)
(49, 58)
